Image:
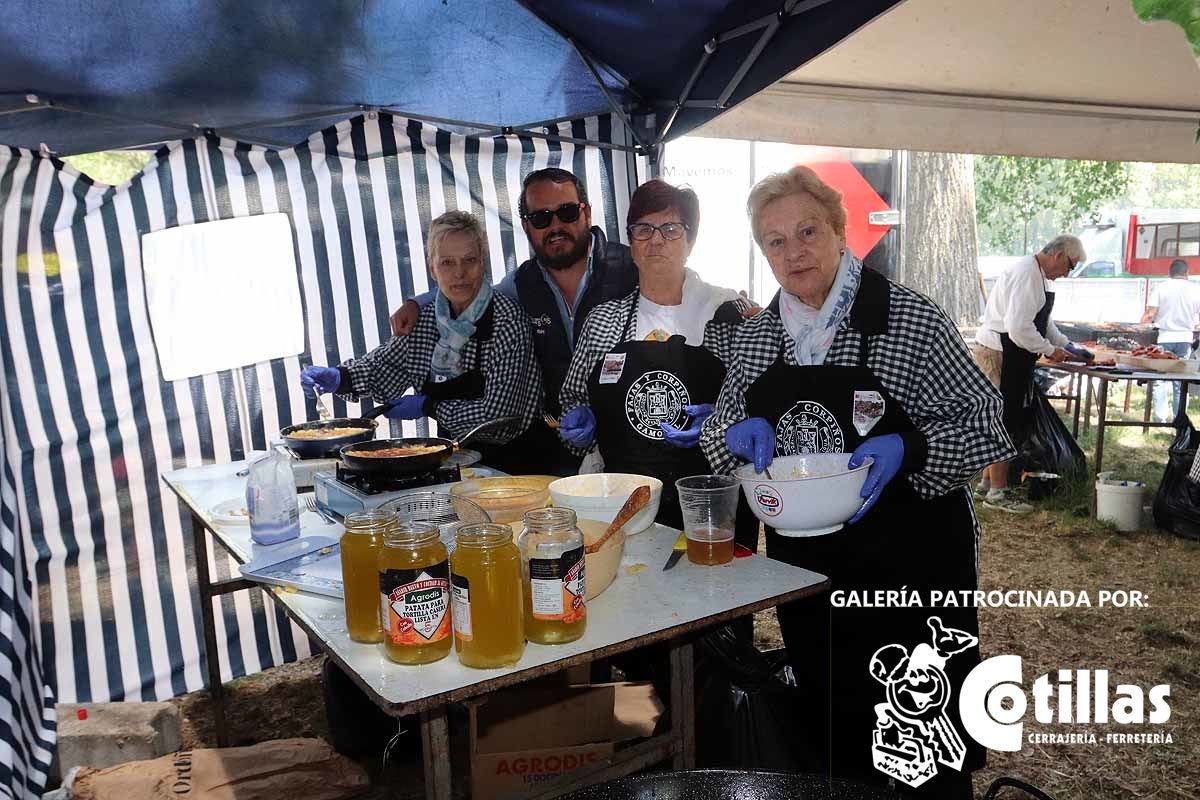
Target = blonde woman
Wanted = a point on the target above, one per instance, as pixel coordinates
(469, 358)
(845, 361)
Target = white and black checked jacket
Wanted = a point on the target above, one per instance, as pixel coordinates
(919, 357)
(512, 380)
(609, 324)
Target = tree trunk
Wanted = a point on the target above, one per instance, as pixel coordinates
(941, 257)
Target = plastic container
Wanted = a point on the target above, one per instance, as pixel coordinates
(360, 547)
(271, 499)
(1119, 502)
(554, 585)
(414, 587)
(505, 499)
(709, 506)
(485, 582)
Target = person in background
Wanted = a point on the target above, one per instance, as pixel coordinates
(574, 269)
(648, 367)
(469, 357)
(843, 360)
(1016, 330)
(1173, 308)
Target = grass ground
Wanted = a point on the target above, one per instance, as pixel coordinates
(1060, 546)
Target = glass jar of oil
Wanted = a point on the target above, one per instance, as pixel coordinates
(485, 584)
(552, 563)
(414, 586)
(360, 571)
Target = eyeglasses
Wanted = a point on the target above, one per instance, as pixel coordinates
(567, 212)
(644, 231)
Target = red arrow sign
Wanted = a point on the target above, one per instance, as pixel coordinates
(859, 198)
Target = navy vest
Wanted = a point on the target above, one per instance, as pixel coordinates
(614, 276)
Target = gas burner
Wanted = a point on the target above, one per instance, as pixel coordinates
(386, 482)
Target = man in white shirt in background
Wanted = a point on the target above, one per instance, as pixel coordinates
(1016, 330)
(1173, 308)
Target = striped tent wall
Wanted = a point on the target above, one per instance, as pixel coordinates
(96, 567)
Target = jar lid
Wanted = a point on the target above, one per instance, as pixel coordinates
(408, 533)
(483, 534)
(553, 518)
(372, 520)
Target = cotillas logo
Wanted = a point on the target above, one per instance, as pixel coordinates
(1081, 696)
(768, 500)
(912, 732)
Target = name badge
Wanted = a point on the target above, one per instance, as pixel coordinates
(613, 366)
(868, 410)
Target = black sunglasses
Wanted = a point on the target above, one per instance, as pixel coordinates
(567, 212)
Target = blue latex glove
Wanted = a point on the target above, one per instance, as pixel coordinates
(1082, 352)
(321, 380)
(578, 426)
(411, 406)
(690, 435)
(888, 453)
(752, 440)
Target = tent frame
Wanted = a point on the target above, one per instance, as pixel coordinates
(767, 26)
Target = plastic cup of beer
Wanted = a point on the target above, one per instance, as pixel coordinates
(709, 506)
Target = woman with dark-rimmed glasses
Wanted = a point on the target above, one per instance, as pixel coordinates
(648, 367)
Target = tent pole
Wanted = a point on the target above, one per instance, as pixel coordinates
(763, 40)
(442, 121)
(273, 123)
(193, 128)
(710, 47)
(616, 107)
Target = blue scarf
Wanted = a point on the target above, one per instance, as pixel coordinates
(814, 333)
(455, 332)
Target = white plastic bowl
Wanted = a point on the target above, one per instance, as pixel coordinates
(809, 495)
(600, 496)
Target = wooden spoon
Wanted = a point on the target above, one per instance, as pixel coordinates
(636, 502)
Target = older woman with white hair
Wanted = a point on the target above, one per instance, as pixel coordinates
(843, 360)
(469, 358)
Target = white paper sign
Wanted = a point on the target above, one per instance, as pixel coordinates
(222, 294)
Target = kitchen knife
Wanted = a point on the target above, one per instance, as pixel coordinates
(677, 551)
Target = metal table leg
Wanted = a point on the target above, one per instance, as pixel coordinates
(1101, 409)
(683, 701)
(1150, 387)
(1077, 391)
(216, 689)
(1087, 406)
(435, 750)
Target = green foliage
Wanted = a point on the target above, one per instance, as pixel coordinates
(1021, 201)
(111, 168)
(1184, 13)
(1162, 186)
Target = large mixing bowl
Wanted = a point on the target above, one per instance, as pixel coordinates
(600, 496)
(805, 495)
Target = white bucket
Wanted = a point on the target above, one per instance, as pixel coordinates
(1119, 502)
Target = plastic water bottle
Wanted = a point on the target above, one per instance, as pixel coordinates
(271, 499)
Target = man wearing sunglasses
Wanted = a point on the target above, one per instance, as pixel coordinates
(574, 269)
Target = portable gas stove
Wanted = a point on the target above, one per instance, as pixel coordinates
(344, 491)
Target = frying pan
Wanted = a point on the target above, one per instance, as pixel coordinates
(329, 448)
(420, 462)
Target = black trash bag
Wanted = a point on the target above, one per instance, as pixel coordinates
(1177, 503)
(357, 727)
(1045, 444)
(747, 705)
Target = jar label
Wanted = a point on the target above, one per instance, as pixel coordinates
(461, 589)
(416, 604)
(557, 587)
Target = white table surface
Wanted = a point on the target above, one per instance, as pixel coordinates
(636, 609)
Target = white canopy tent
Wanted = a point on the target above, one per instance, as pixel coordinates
(1059, 78)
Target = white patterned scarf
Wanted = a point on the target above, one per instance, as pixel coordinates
(814, 329)
(455, 332)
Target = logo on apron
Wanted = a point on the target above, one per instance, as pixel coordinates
(654, 398)
(912, 732)
(868, 410)
(808, 427)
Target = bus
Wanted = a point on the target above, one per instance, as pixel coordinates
(1140, 244)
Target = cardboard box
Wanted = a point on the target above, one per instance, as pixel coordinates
(525, 740)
